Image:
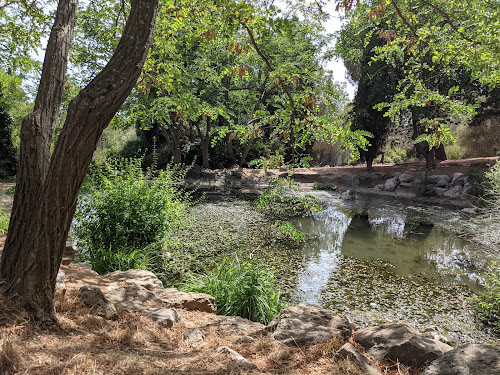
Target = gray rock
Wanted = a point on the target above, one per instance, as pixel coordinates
(379, 187)
(470, 211)
(236, 326)
(241, 361)
(467, 187)
(92, 297)
(130, 297)
(391, 184)
(307, 323)
(189, 301)
(60, 284)
(166, 317)
(349, 352)
(436, 334)
(458, 179)
(399, 341)
(442, 183)
(146, 279)
(406, 177)
(396, 174)
(454, 193)
(439, 191)
(84, 265)
(470, 359)
(244, 340)
(435, 178)
(349, 180)
(347, 195)
(194, 335)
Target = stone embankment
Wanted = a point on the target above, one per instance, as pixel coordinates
(302, 325)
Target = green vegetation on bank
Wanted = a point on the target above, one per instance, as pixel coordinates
(241, 289)
(125, 216)
(487, 303)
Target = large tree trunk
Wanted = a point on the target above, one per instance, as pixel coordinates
(47, 187)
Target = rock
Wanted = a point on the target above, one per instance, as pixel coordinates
(470, 210)
(458, 179)
(68, 254)
(396, 175)
(146, 279)
(349, 180)
(307, 323)
(189, 301)
(467, 187)
(244, 340)
(238, 358)
(453, 193)
(470, 359)
(347, 195)
(84, 265)
(406, 177)
(237, 326)
(130, 297)
(391, 184)
(435, 178)
(400, 342)
(442, 183)
(439, 191)
(166, 317)
(60, 284)
(93, 297)
(379, 187)
(194, 335)
(436, 334)
(349, 352)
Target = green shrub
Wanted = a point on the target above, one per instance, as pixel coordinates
(4, 220)
(288, 233)
(487, 303)
(244, 290)
(282, 198)
(323, 186)
(123, 210)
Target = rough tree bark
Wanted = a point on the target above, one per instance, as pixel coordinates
(48, 185)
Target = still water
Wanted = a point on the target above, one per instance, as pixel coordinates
(377, 261)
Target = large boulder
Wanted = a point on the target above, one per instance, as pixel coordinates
(92, 297)
(391, 184)
(406, 177)
(143, 278)
(189, 301)
(401, 342)
(307, 323)
(470, 359)
(131, 297)
(434, 179)
(349, 352)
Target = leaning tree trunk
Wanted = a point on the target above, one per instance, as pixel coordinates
(47, 186)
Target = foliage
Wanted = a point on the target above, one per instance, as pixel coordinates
(323, 186)
(241, 289)
(288, 233)
(122, 210)
(448, 53)
(487, 303)
(478, 182)
(4, 220)
(8, 154)
(282, 198)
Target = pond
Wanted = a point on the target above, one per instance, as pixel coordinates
(371, 259)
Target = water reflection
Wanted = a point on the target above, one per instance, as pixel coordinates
(411, 248)
(321, 256)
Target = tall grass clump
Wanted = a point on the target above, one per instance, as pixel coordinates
(241, 289)
(487, 303)
(125, 214)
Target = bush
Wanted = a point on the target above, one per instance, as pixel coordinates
(123, 210)
(288, 233)
(244, 290)
(4, 221)
(487, 303)
(323, 186)
(281, 198)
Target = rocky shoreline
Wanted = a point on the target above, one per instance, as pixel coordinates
(303, 325)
